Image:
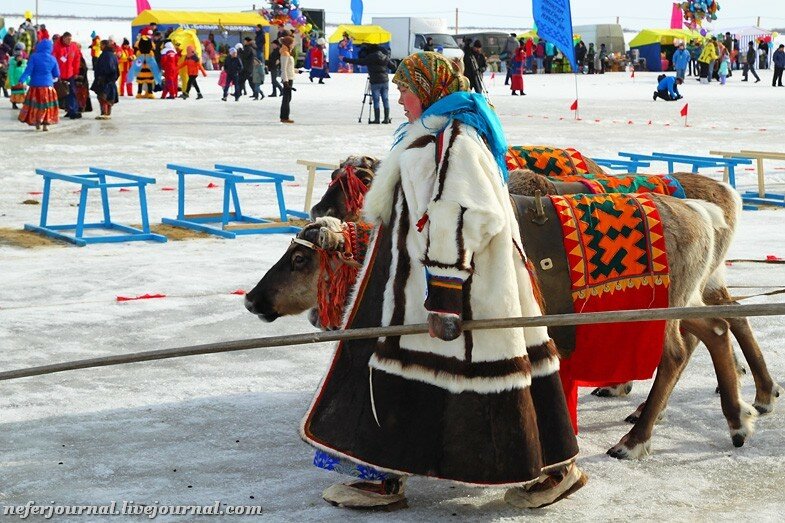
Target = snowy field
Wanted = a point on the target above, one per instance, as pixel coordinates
(224, 427)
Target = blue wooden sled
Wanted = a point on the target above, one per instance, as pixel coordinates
(97, 179)
(628, 166)
(229, 223)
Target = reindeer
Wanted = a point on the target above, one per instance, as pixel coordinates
(698, 236)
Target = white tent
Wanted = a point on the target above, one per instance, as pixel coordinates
(748, 34)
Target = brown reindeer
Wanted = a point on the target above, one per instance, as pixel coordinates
(716, 293)
(696, 260)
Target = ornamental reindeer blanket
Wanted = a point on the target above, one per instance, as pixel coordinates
(598, 253)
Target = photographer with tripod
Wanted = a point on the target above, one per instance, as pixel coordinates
(377, 60)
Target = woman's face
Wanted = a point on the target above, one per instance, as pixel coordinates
(412, 107)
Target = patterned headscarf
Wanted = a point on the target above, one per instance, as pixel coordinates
(430, 76)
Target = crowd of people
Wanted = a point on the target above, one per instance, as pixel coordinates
(715, 59)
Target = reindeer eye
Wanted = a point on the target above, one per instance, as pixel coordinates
(298, 259)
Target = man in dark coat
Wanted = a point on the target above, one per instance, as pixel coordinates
(10, 39)
(779, 66)
(749, 67)
(508, 51)
(107, 71)
(580, 54)
(377, 60)
(471, 69)
(274, 66)
(247, 55)
(260, 42)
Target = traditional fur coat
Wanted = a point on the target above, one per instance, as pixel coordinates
(486, 408)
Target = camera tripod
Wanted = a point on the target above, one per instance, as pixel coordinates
(369, 97)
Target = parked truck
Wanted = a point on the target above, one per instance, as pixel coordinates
(408, 36)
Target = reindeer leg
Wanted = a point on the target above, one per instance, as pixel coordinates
(690, 342)
(714, 333)
(637, 442)
(766, 391)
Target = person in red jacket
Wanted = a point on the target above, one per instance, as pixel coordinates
(518, 68)
(318, 65)
(170, 66)
(67, 54)
(529, 47)
(193, 65)
(43, 33)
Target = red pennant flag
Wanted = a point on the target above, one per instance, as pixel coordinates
(685, 109)
(772, 258)
(574, 106)
(632, 75)
(212, 185)
(239, 292)
(493, 76)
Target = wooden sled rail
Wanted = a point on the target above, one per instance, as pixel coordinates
(556, 320)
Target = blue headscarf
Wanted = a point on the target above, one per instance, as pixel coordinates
(473, 110)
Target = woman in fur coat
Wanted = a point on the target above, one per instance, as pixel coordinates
(483, 408)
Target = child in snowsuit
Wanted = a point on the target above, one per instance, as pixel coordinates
(232, 66)
(724, 69)
(16, 68)
(193, 65)
(257, 79)
(171, 69)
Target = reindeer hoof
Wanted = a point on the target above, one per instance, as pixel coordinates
(622, 389)
(622, 451)
(768, 407)
(747, 417)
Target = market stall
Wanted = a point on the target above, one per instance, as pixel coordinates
(359, 34)
(228, 28)
(651, 43)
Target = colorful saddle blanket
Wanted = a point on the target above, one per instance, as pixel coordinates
(547, 161)
(617, 260)
(627, 183)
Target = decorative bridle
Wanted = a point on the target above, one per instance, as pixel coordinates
(353, 188)
(338, 271)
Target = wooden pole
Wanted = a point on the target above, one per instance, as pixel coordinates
(556, 320)
(758, 24)
(456, 21)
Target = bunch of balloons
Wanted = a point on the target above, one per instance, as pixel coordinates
(768, 39)
(287, 12)
(696, 11)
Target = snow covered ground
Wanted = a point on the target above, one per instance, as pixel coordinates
(224, 427)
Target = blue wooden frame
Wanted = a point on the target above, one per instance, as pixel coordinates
(628, 166)
(231, 222)
(96, 179)
(696, 162)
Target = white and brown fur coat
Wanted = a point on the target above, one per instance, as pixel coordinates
(469, 242)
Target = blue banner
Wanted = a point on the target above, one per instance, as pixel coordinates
(357, 12)
(553, 19)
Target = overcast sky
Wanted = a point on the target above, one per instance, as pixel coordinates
(503, 13)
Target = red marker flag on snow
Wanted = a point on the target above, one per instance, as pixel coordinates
(632, 74)
(142, 297)
(574, 106)
(685, 110)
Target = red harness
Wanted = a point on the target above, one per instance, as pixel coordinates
(353, 189)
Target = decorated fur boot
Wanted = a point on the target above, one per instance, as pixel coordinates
(549, 489)
(368, 495)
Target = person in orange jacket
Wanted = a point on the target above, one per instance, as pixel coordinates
(170, 67)
(193, 65)
(125, 58)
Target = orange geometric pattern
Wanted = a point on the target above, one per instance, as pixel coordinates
(547, 161)
(613, 242)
